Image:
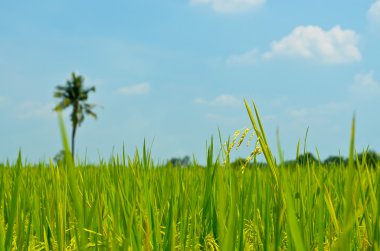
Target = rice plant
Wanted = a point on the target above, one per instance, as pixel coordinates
(132, 203)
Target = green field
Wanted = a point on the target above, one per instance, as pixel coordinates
(131, 203)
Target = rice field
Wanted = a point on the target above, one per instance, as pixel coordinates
(132, 203)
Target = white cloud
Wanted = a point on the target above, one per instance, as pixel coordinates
(226, 100)
(270, 118)
(230, 6)
(134, 90)
(334, 46)
(35, 110)
(200, 101)
(222, 100)
(317, 115)
(215, 117)
(2, 100)
(317, 111)
(223, 119)
(365, 85)
(94, 81)
(374, 12)
(248, 57)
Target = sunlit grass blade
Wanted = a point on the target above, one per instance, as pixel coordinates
(349, 210)
(279, 149)
(262, 139)
(73, 185)
(134, 203)
(14, 204)
(331, 210)
(291, 217)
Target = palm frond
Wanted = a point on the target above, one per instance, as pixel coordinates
(74, 93)
(91, 113)
(62, 88)
(63, 104)
(58, 94)
(85, 92)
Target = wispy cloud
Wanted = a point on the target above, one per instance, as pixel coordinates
(35, 110)
(322, 115)
(134, 90)
(374, 12)
(94, 81)
(215, 117)
(226, 100)
(200, 101)
(248, 57)
(222, 100)
(334, 46)
(316, 113)
(230, 6)
(365, 85)
(222, 119)
(2, 100)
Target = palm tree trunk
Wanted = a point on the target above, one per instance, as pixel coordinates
(73, 141)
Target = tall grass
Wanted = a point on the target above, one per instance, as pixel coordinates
(130, 203)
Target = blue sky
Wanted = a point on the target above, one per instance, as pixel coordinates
(176, 71)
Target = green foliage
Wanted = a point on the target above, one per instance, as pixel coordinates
(59, 157)
(117, 206)
(238, 163)
(179, 162)
(306, 158)
(335, 160)
(371, 158)
(130, 203)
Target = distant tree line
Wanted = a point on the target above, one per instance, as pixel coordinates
(175, 162)
(369, 158)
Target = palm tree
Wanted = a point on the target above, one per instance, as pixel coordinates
(74, 94)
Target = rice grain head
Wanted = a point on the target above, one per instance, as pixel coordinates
(236, 135)
(210, 243)
(250, 138)
(242, 137)
(257, 149)
(254, 153)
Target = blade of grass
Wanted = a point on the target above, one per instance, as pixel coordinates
(73, 186)
(262, 139)
(348, 212)
(14, 204)
(292, 218)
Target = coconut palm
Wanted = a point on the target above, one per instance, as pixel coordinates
(74, 94)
